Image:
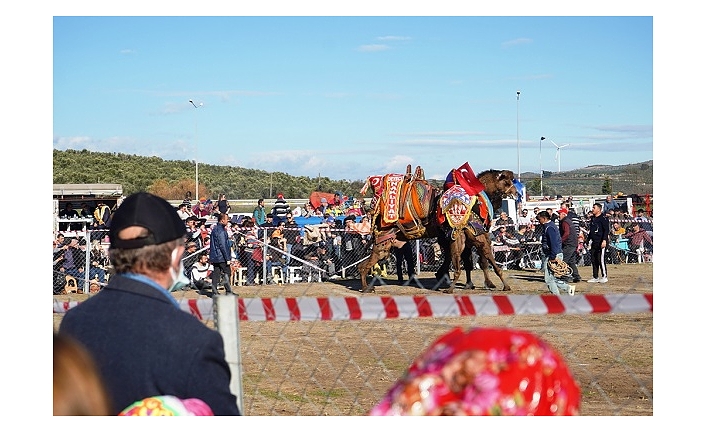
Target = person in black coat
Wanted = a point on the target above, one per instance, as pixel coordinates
(143, 343)
(405, 254)
(598, 230)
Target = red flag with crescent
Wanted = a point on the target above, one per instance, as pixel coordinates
(465, 177)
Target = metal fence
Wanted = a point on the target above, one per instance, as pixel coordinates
(299, 259)
(306, 347)
(338, 355)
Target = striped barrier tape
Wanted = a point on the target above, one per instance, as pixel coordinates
(411, 307)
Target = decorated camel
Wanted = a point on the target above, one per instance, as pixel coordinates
(406, 207)
(466, 223)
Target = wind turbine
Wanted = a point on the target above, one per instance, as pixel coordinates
(557, 156)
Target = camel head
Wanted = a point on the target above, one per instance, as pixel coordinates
(498, 185)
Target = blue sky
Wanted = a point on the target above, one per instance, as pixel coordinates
(348, 97)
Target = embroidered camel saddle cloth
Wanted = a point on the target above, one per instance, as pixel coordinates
(406, 201)
(462, 210)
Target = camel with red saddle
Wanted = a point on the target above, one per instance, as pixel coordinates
(406, 207)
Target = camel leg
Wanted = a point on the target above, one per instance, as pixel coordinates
(363, 269)
(455, 252)
(456, 249)
(379, 252)
(487, 257)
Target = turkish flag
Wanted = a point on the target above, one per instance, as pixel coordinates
(465, 177)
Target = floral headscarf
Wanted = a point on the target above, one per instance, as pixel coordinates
(167, 405)
(484, 371)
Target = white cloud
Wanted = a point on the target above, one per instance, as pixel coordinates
(393, 38)
(398, 164)
(373, 48)
(514, 42)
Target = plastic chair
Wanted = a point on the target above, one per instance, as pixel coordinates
(294, 274)
(277, 274)
(242, 273)
(71, 285)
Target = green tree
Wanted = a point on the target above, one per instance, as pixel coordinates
(607, 187)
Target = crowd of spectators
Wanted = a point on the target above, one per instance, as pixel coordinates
(328, 250)
(630, 237)
(269, 238)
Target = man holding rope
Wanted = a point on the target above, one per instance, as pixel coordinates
(552, 256)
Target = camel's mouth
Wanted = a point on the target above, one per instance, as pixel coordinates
(511, 192)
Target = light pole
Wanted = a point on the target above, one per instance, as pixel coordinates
(518, 135)
(196, 140)
(541, 172)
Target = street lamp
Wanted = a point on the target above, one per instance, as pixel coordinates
(518, 135)
(196, 140)
(541, 172)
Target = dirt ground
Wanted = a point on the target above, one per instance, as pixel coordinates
(344, 368)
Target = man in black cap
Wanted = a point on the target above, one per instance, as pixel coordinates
(143, 343)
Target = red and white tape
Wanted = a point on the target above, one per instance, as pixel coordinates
(411, 307)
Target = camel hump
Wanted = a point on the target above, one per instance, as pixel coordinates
(408, 174)
(419, 173)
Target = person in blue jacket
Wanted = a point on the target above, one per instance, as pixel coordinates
(552, 251)
(143, 343)
(219, 254)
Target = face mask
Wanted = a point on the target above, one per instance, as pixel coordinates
(179, 279)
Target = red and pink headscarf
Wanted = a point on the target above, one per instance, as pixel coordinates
(167, 405)
(484, 371)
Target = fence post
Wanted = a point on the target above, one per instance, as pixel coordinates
(417, 250)
(225, 310)
(87, 265)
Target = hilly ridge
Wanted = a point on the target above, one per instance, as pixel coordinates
(172, 178)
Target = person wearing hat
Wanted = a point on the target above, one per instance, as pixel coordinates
(143, 343)
(280, 209)
(569, 243)
(484, 372)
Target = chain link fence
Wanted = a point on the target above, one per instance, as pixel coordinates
(334, 357)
